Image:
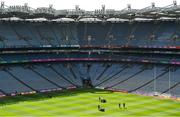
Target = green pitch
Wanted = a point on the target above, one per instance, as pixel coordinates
(84, 102)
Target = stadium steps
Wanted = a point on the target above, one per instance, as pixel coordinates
(95, 70)
(109, 31)
(64, 69)
(159, 76)
(127, 78)
(85, 31)
(72, 71)
(32, 32)
(28, 42)
(75, 74)
(57, 85)
(47, 34)
(62, 76)
(91, 71)
(3, 92)
(74, 33)
(2, 43)
(55, 35)
(132, 30)
(157, 28)
(41, 36)
(171, 87)
(45, 70)
(75, 70)
(23, 30)
(105, 69)
(61, 33)
(2, 38)
(11, 74)
(64, 34)
(70, 32)
(58, 33)
(109, 78)
(84, 71)
(175, 33)
(111, 70)
(20, 37)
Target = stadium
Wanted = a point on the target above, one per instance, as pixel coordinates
(74, 62)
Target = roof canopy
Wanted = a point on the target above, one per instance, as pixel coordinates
(151, 12)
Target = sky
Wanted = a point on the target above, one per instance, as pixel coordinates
(90, 4)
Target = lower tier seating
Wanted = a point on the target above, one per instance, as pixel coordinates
(142, 78)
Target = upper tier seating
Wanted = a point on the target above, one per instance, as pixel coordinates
(51, 34)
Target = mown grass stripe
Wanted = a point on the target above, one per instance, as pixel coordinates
(84, 103)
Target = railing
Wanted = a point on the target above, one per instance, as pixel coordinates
(133, 60)
(88, 46)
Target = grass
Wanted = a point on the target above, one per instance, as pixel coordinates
(84, 102)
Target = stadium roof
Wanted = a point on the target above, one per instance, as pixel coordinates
(151, 12)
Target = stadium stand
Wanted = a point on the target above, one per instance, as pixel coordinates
(128, 77)
(97, 34)
(9, 84)
(129, 55)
